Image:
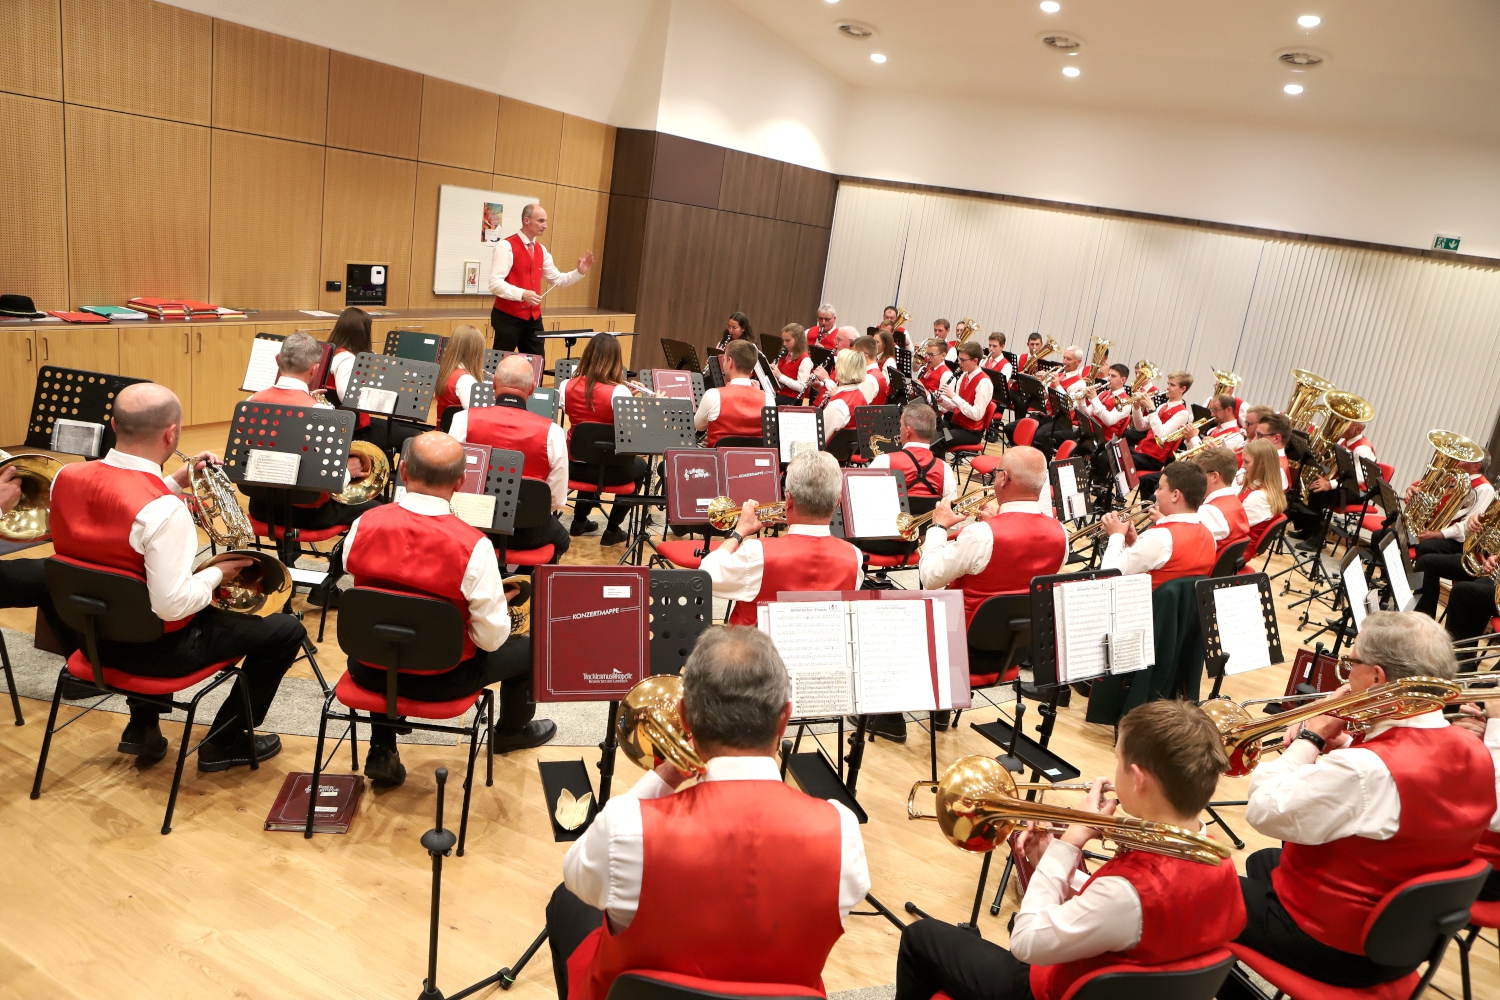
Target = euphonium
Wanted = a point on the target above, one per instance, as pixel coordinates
(1444, 487)
(1393, 700)
(1049, 347)
(1145, 374)
(258, 590)
(968, 505)
(723, 513)
(372, 483)
(978, 809)
(1225, 382)
(30, 520)
(1482, 543)
(650, 725)
(1342, 410)
(971, 329)
(1098, 354)
(1304, 405)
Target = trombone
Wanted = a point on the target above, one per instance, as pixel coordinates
(30, 520)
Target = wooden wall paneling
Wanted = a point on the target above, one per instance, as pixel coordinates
(138, 56)
(18, 354)
(749, 184)
(624, 239)
(687, 171)
(779, 276)
(577, 225)
(220, 355)
(635, 153)
(267, 213)
(89, 347)
(33, 202)
(751, 268)
(137, 207)
(546, 193)
(431, 177)
(805, 289)
(269, 84)
(587, 157)
(372, 107)
(458, 125)
(727, 285)
(528, 141)
(368, 203)
(31, 49)
(163, 354)
(806, 196)
(676, 264)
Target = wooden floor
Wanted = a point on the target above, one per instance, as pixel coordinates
(95, 902)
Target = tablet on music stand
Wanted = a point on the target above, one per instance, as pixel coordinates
(88, 400)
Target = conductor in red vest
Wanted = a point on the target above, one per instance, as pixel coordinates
(1221, 511)
(516, 272)
(1179, 544)
(739, 878)
(1361, 815)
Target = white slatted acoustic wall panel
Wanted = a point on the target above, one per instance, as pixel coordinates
(1417, 338)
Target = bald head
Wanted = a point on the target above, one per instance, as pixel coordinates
(434, 463)
(1025, 472)
(145, 411)
(514, 375)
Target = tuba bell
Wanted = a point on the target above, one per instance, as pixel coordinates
(30, 519)
(650, 725)
(372, 483)
(1304, 405)
(971, 329)
(1225, 382)
(1033, 361)
(1444, 488)
(261, 589)
(1145, 374)
(1342, 409)
(1098, 355)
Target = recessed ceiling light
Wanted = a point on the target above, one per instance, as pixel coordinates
(1292, 88)
(877, 57)
(1051, 6)
(1309, 20)
(1071, 71)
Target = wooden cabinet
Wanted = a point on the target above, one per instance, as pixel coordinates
(18, 355)
(162, 354)
(91, 348)
(220, 354)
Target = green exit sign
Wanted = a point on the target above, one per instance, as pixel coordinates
(1441, 242)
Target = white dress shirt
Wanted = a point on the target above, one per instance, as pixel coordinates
(297, 385)
(1152, 548)
(737, 575)
(1106, 415)
(950, 482)
(944, 561)
(1257, 507)
(341, 367)
(1212, 517)
(804, 372)
(1226, 435)
(1058, 923)
(1484, 495)
(462, 387)
(164, 533)
(604, 867)
(1157, 426)
(708, 406)
(870, 387)
(557, 456)
(1306, 798)
(984, 391)
(489, 621)
(504, 257)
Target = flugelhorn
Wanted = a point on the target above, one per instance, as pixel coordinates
(968, 505)
(1032, 360)
(1400, 699)
(1304, 405)
(978, 809)
(1137, 513)
(30, 520)
(723, 513)
(372, 483)
(259, 589)
(650, 725)
(1444, 488)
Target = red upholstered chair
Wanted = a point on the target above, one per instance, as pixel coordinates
(404, 633)
(1196, 978)
(309, 535)
(1065, 450)
(1263, 538)
(643, 984)
(533, 507)
(983, 465)
(1412, 923)
(683, 552)
(999, 635)
(1025, 431)
(1484, 913)
(109, 604)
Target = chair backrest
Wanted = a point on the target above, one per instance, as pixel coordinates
(1025, 430)
(1230, 559)
(534, 504)
(117, 602)
(585, 445)
(841, 444)
(1002, 623)
(1414, 921)
(1262, 537)
(1197, 978)
(733, 441)
(1386, 471)
(404, 632)
(1065, 450)
(640, 984)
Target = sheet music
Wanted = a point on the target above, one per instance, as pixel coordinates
(813, 640)
(477, 509)
(797, 427)
(279, 467)
(1132, 609)
(1242, 628)
(874, 504)
(1067, 480)
(263, 370)
(1395, 568)
(1127, 651)
(1075, 505)
(77, 437)
(890, 648)
(1082, 609)
(376, 400)
(1357, 589)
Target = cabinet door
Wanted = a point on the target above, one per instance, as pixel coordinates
(91, 348)
(162, 354)
(220, 355)
(18, 353)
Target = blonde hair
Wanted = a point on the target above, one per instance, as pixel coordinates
(1263, 472)
(465, 349)
(850, 367)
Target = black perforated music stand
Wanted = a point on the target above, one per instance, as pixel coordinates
(415, 345)
(904, 362)
(770, 426)
(492, 359)
(713, 374)
(647, 426)
(1214, 659)
(680, 356)
(502, 480)
(74, 394)
(682, 609)
(1033, 393)
(413, 382)
(878, 422)
(1081, 478)
(563, 369)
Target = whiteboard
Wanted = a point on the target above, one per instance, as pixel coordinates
(470, 222)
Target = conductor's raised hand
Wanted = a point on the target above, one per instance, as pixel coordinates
(585, 262)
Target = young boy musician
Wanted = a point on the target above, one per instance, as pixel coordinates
(1139, 908)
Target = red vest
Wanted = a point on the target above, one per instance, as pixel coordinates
(94, 507)
(800, 562)
(1330, 889)
(396, 549)
(882, 386)
(515, 428)
(1111, 399)
(1148, 445)
(1187, 908)
(924, 482)
(718, 859)
(932, 378)
(448, 395)
(525, 272)
(1239, 524)
(850, 397)
(739, 413)
(994, 362)
(790, 367)
(1489, 848)
(579, 410)
(1192, 552)
(362, 420)
(1025, 545)
(814, 336)
(968, 388)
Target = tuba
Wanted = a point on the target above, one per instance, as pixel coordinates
(650, 725)
(1341, 409)
(1145, 374)
(372, 483)
(971, 329)
(1225, 382)
(1444, 487)
(258, 590)
(1098, 354)
(1048, 347)
(30, 519)
(1304, 405)
(978, 808)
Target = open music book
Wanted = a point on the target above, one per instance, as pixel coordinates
(1103, 627)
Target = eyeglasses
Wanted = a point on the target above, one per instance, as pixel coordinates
(1345, 666)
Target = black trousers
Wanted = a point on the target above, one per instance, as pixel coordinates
(1471, 605)
(513, 334)
(1270, 930)
(551, 533)
(23, 583)
(1052, 433)
(952, 435)
(1307, 515)
(509, 666)
(569, 921)
(326, 515)
(586, 502)
(1435, 567)
(936, 956)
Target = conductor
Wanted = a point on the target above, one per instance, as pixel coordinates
(516, 272)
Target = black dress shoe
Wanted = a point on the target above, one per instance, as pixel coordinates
(144, 740)
(613, 536)
(582, 527)
(888, 727)
(941, 720)
(384, 768)
(1311, 545)
(537, 732)
(212, 757)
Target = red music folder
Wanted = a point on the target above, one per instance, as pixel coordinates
(695, 476)
(590, 632)
(476, 468)
(750, 474)
(338, 800)
(673, 384)
(76, 317)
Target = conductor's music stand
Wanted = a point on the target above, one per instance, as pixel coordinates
(80, 398)
(680, 356)
(415, 345)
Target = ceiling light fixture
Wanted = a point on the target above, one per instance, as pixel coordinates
(1051, 6)
(1309, 20)
(877, 57)
(1292, 88)
(1071, 71)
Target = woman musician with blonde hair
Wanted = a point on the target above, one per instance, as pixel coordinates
(589, 398)
(461, 369)
(794, 368)
(1260, 490)
(849, 369)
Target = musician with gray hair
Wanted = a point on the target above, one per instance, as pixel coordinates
(739, 877)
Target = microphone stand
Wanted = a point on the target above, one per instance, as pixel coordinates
(439, 844)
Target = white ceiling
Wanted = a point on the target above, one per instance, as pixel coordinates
(1392, 65)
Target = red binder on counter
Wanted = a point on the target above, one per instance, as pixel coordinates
(695, 476)
(76, 317)
(590, 632)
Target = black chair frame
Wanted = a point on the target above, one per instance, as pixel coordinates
(1230, 560)
(1002, 623)
(632, 986)
(1179, 984)
(10, 683)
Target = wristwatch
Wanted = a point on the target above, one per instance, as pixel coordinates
(737, 538)
(1313, 738)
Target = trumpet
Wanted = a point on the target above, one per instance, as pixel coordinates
(724, 513)
(1400, 699)
(968, 505)
(372, 483)
(978, 809)
(1049, 347)
(30, 520)
(1138, 514)
(650, 725)
(258, 590)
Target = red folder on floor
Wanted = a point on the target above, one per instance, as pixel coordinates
(590, 632)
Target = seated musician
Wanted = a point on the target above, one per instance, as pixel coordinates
(1108, 406)
(1150, 454)
(418, 546)
(1450, 540)
(1360, 816)
(737, 327)
(823, 332)
(995, 360)
(589, 399)
(943, 330)
(1014, 540)
(1178, 544)
(461, 370)
(889, 317)
(925, 475)
(1221, 510)
(1226, 429)
(1140, 908)
(1133, 434)
(733, 409)
(934, 372)
(510, 425)
(747, 570)
(1259, 483)
(1484, 721)
(1033, 350)
(1327, 492)
(1071, 382)
(351, 338)
(739, 877)
(824, 380)
(849, 392)
(122, 514)
(1470, 598)
(23, 582)
(793, 370)
(870, 348)
(963, 401)
(886, 358)
(1275, 429)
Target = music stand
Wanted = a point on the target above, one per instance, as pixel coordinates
(1214, 658)
(904, 362)
(822, 357)
(846, 501)
(875, 422)
(502, 480)
(492, 359)
(570, 337)
(394, 387)
(73, 394)
(1078, 470)
(770, 345)
(1126, 478)
(647, 426)
(682, 609)
(713, 374)
(770, 428)
(1033, 393)
(415, 345)
(563, 369)
(680, 356)
(315, 380)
